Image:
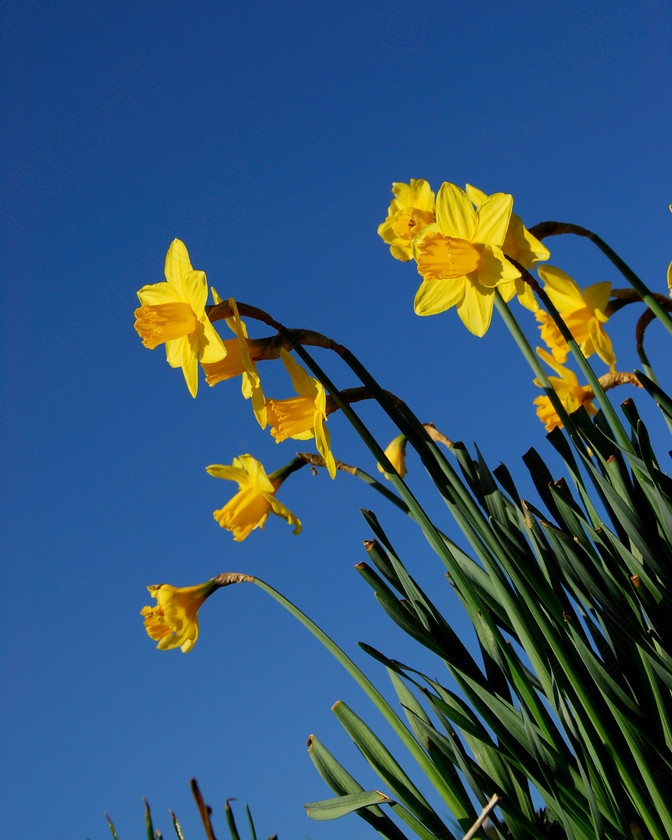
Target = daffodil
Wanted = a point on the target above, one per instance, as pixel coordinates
(238, 360)
(174, 312)
(460, 257)
(566, 386)
(302, 417)
(551, 335)
(410, 210)
(582, 312)
(396, 455)
(255, 498)
(173, 622)
(521, 246)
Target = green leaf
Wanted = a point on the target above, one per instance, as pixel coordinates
(111, 825)
(389, 770)
(332, 809)
(231, 821)
(253, 833)
(342, 783)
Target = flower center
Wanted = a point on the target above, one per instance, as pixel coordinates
(407, 223)
(445, 258)
(163, 322)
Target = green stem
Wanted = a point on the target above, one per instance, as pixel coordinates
(371, 691)
(533, 360)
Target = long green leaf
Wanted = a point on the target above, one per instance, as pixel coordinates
(332, 809)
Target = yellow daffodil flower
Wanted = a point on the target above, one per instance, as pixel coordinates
(410, 210)
(174, 312)
(582, 312)
(566, 386)
(255, 499)
(173, 622)
(552, 336)
(239, 351)
(521, 246)
(396, 454)
(460, 257)
(302, 417)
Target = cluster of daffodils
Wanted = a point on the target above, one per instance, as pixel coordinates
(174, 313)
(470, 247)
(472, 253)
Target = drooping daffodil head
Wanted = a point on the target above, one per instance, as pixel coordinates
(411, 209)
(302, 417)
(570, 393)
(396, 455)
(174, 313)
(460, 257)
(240, 361)
(584, 312)
(173, 621)
(255, 499)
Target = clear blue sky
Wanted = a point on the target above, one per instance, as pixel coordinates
(266, 137)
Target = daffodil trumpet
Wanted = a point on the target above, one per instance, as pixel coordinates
(173, 620)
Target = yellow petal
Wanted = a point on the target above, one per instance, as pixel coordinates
(211, 346)
(455, 213)
(597, 298)
(493, 219)
(177, 266)
(280, 510)
(602, 343)
(563, 372)
(476, 308)
(229, 472)
(494, 267)
(436, 296)
(560, 287)
(195, 288)
(302, 382)
(158, 293)
(477, 196)
(323, 443)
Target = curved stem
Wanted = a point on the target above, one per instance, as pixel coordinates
(544, 229)
(367, 686)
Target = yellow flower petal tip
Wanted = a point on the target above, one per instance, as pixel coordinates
(411, 209)
(173, 313)
(396, 455)
(460, 257)
(173, 621)
(255, 499)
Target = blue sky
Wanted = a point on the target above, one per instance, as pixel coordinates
(267, 140)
